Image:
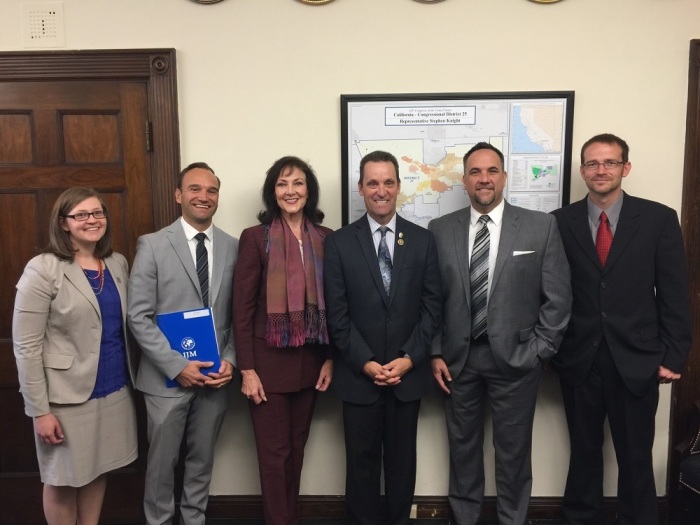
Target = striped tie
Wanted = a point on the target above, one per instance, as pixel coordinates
(479, 277)
(203, 267)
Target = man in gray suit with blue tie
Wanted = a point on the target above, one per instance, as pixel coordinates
(184, 266)
(507, 302)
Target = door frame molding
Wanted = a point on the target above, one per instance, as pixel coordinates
(155, 67)
(687, 391)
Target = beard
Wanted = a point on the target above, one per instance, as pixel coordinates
(485, 200)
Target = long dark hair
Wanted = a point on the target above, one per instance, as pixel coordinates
(272, 209)
(59, 240)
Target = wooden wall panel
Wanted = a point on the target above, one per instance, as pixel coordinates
(15, 138)
(91, 139)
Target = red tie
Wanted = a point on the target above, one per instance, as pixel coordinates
(603, 238)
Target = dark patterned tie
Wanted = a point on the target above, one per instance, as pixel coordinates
(384, 260)
(203, 267)
(603, 239)
(479, 277)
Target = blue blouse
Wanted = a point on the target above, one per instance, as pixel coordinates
(112, 373)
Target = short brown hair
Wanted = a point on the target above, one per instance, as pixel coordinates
(195, 165)
(484, 145)
(608, 138)
(379, 156)
(59, 239)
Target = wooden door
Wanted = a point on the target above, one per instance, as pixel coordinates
(56, 134)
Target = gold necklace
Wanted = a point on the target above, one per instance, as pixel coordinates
(100, 276)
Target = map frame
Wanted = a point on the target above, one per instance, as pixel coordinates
(462, 108)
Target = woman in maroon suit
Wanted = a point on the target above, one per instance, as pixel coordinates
(279, 323)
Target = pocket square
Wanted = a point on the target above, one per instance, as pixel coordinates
(523, 252)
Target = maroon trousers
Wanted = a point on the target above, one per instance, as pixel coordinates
(281, 426)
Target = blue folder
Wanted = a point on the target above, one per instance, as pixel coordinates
(191, 333)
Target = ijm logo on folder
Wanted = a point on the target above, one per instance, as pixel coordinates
(191, 333)
(187, 345)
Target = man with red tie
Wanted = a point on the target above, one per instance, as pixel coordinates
(629, 331)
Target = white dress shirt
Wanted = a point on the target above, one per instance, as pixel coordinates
(377, 235)
(190, 233)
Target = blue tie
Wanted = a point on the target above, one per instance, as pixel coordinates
(384, 260)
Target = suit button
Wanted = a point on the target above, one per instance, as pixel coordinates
(604, 314)
(602, 285)
(595, 343)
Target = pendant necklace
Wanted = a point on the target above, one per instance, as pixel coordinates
(96, 283)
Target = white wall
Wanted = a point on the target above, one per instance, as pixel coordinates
(259, 79)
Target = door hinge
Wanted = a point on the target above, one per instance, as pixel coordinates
(149, 134)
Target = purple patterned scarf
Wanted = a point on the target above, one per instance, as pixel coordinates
(296, 310)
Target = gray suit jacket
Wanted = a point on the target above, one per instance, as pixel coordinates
(56, 331)
(530, 299)
(163, 280)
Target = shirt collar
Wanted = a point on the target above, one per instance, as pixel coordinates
(496, 215)
(613, 211)
(190, 231)
(374, 225)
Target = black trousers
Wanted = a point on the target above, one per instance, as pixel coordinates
(632, 424)
(383, 432)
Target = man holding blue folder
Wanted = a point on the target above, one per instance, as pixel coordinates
(185, 266)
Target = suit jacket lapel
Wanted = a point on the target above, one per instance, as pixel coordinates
(627, 228)
(460, 231)
(509, 231)
(74, 273)
(581, 231)
(364, 238)
(176, 236)
(399, 256)
(219, 260)
(119, 282)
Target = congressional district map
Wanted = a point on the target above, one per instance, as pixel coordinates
(430, 137)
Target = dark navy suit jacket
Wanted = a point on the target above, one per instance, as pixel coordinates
(639, 302)
(367, 325)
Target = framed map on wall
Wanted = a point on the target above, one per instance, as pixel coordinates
(430, 133)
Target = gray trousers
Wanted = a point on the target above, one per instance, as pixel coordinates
(512, 402)
(195, 417)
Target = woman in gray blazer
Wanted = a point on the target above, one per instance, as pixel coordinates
(69, 339)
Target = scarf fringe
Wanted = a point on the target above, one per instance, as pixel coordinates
(295, 329)
(316, 330)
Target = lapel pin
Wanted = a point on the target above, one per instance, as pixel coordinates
(400, 241)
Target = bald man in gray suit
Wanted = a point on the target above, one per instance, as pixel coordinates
(507, 302)
(164, 279)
